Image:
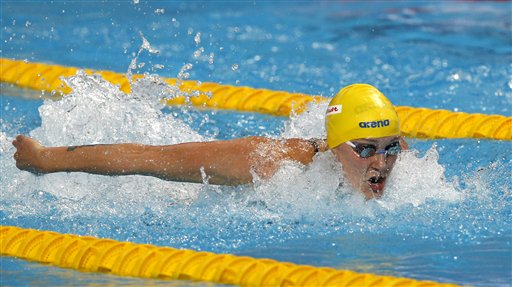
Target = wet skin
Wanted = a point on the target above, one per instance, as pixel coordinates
(368, 175)
(27, 154)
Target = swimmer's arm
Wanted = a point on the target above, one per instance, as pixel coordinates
(222, 162)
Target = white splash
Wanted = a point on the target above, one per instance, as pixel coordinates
(415, 180)
(5, 144)
(309, 124)
(145, 46)
(298, 191)
(96, 112)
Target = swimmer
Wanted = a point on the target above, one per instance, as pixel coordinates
(363, 133)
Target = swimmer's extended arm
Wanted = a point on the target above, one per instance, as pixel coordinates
(229, 162)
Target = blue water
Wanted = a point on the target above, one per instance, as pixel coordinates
(446, 216)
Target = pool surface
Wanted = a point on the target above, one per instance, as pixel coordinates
(447, 212)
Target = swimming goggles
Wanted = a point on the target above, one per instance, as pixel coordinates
(368, 150)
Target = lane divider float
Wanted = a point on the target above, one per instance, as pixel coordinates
(90, 254)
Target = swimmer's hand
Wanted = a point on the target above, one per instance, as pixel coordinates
(29, 154)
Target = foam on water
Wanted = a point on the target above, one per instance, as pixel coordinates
(309, 124)
(97, 112)
(315, 195)
(297, 201)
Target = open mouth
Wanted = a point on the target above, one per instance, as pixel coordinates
(376, 183)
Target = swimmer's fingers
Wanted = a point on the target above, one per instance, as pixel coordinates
(16, 142)
(20, 162)
(26, 165)
(19, 141)
(22, 142)
(27, 154)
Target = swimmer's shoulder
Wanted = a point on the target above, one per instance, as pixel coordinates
(298, 145)
(290, 145)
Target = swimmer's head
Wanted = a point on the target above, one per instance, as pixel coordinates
(363, 132)
(360, 111)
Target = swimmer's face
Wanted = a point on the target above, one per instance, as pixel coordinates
(369, 175)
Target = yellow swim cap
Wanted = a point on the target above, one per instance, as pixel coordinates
(360, 111)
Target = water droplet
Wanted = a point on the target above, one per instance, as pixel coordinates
(197, 38)
(183, 73)
(160, 11)
(147, 46)
(454, 77)
(198, 52)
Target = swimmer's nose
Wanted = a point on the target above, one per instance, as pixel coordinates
(380, 161)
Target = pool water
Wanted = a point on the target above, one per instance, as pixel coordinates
(447, 210)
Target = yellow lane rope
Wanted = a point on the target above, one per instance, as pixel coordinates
(91, 254)
(415, 122)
